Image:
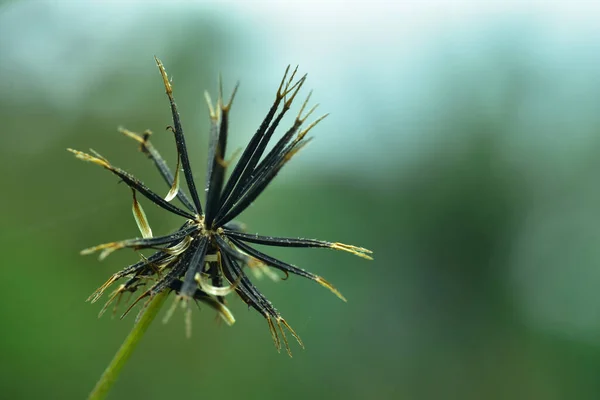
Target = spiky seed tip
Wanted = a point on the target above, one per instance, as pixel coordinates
(294, 89)
(135, 136)
(280, 91)
(357, 251)
(142, 296)
(273, 333)
(89, 158)
(171, 309)
(188, 321)
(165, 77)
(312, 125)
(329, 286)
(100, 291)
(288, 86)
(227, 107)
(116, 293)
(299, 117)
(211, 111)
(295, 150)
(284, 337)
(106, 248)
(293, 332)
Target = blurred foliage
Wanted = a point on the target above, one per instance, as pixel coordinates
(484, 280)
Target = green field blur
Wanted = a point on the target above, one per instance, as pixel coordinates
(483, 221)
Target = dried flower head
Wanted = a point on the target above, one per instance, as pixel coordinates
(204, 260)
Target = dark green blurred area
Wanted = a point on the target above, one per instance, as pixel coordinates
(484, 284)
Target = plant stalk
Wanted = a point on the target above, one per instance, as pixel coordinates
(111, 373)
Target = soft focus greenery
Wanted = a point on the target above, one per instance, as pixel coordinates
(483, 223)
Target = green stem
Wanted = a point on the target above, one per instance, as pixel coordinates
(111, 373)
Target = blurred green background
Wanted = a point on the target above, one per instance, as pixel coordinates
(462, 149)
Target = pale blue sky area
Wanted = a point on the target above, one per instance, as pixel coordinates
(374, 65)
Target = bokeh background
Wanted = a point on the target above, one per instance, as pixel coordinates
(462, 148)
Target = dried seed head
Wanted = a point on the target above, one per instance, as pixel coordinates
(205, 259)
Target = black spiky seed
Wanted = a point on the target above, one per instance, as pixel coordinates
(210, 246)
